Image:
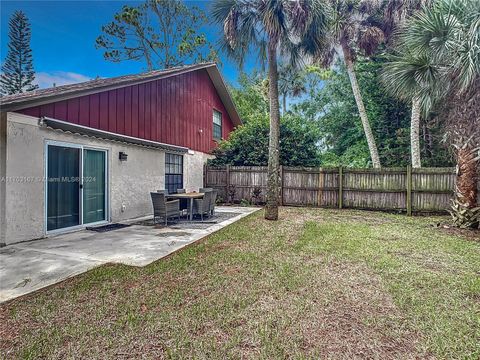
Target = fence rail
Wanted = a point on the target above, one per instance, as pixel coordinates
(399, 189)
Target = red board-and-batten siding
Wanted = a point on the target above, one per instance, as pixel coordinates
(177, 110)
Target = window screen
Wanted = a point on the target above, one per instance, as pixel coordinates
(173, 172)
(217, 125)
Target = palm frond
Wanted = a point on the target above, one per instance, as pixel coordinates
(239, 21)
(408, 75)
(273, 15)
(369, 6)
(220, 9)
(449, 32)
(369, 38)
(230, 27)
(396, 12)
(438, 52)
(299, 12)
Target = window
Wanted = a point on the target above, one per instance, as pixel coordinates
(173, 172)
(217, 125)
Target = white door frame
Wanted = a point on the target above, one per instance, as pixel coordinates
(81, 147)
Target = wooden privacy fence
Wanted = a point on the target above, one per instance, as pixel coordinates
(398, 189)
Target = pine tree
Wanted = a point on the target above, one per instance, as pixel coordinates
(18, 73)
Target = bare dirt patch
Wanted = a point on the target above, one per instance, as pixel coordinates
(342, 312)
(469, 234)
(302, 215)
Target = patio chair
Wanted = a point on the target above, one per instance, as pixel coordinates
(162, 192)
(163, 208)
(205, 190)
(183, 202)
(202, 206)
(213, 201)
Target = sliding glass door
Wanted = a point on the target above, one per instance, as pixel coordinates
(94, 199)
(76, 186)
(63, 187)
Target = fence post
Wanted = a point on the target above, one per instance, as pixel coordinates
(340, 187)
(281, 185)
(227, 183)
(409, 190)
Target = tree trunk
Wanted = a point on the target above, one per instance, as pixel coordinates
(463, 114)
(415, 133)
(271, 208)
(425, 151)
(284, 104)
(467, 176)
(361, 108)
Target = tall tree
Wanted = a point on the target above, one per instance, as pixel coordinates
(396, 14)
(462, 112)
(163, 33)
(353, 27)
(445, 37)
(413, 83)
(18, 73)
(291, 83)
(332, 106)
(268, 27)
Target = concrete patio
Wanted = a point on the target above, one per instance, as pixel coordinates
(29, 266)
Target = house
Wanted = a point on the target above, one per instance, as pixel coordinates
(90, 153)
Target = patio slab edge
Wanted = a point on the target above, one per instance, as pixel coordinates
(87, 263)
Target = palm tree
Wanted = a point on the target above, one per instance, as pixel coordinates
(463, 116)
(407, 75)
(352, 26)
(291, 82)
(395, 15)
(269, 28)
(439, 61)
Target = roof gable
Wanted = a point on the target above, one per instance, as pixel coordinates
(65, 92)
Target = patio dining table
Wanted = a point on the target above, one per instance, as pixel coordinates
(190, 197)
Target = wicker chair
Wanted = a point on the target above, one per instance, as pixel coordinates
(202, 206)
(163, 208)
(213, 201)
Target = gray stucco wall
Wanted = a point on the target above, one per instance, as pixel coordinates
(130, 182)
(193, 170)
(3, 151)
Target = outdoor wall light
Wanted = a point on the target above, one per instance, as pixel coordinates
(122, 156)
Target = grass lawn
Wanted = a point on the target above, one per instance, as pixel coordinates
(317, 283)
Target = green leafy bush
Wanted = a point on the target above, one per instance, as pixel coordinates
(248, 144)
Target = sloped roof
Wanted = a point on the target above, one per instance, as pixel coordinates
(64, 92)
(67, 127)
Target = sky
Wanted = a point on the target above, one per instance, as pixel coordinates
(63, 40)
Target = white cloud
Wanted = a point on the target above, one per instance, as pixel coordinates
(47, 79)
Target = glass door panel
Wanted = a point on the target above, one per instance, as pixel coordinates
(63, 187)
(94, 177)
